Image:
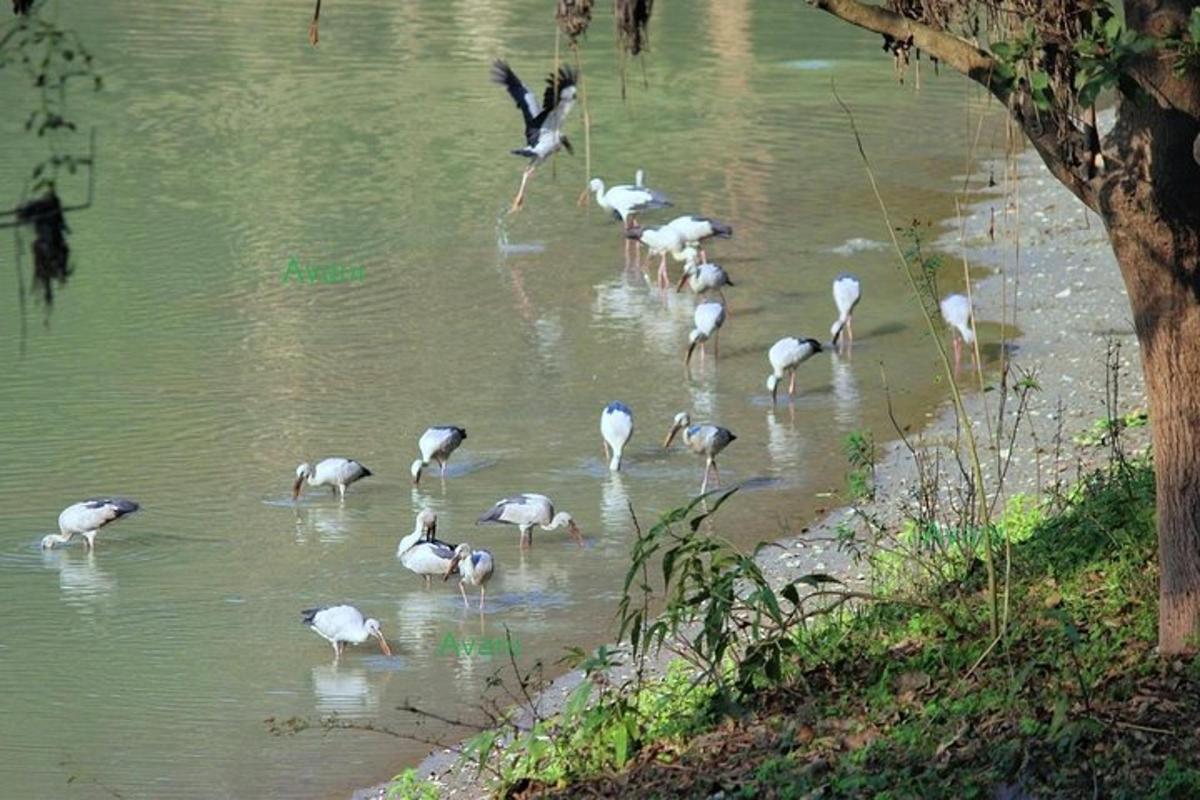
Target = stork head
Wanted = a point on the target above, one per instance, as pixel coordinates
(416, 468)
(303, 471)
(372, 626)
(563, 519)
(596, 185)
(773, 386)
(461, 553)
(689, 255)
(682, 420)
(427, 522)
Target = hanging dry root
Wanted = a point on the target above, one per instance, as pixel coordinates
(573, 17)
(314, 28)
(633, 17)
(51, 255)
(22, 6)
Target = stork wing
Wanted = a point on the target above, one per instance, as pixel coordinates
(525, 99)
(553, 113)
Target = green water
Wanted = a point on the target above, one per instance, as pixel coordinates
(179, 370)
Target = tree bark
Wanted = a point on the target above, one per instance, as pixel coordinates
(1150, 201)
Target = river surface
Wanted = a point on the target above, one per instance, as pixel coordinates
(179, 369)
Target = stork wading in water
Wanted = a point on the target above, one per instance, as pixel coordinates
(342, 625)
(709, 316)
(421, 552)
(703, 440)
(527, 510)
(956, 310)
(87, 518)
(336, 473)
(543, 123)
(785, 355)
(847, 291)
(616, 428)
(660, 241)
(436, 444)
(704, 277)
(625, 201)
(474, 567)
(696, 230)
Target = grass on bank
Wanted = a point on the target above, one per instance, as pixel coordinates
(906, 699)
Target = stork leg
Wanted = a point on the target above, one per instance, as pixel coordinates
(716, 471)
(792, 385)
(519, 200)
(527, 537)
(464, 595)
(341, 487)
(482, 592)
(717, 343)
(703, 256)
(90, 538)
(704, 483)
(442, 464)
(957, 355)
(607, 455)
(850, 331)
(663, 280)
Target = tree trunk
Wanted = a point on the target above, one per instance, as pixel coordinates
(1150, 201)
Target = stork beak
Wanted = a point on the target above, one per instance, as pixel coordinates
(297, 487)
(670, 436)
(383, 645)
(774, 392)
(452, 566)
(682, 280)
(573, 529)
(687, 360)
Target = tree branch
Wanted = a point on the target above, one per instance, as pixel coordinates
(1054, 144)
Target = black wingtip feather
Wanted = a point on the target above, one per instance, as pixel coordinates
(308, 615)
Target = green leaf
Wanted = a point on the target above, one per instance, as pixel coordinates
(1003, 50)
(695, 523)
(1039, 80)
(1112, 28)
(1194, 25)
(620, 737)
(578, 699)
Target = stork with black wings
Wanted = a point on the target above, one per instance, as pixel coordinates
(543, 124)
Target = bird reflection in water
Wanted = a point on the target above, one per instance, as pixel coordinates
(346, 690)
(846, 393)
(784, 441)
(326, 523)
(614, 505)
(84, 585)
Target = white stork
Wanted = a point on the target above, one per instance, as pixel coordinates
(87, 518)
(421, 552)
(474, 567)
(436, 444)
(847, 291)
(336, 473)
(342, 625)
(785, 355)
(703, 440)
(616, 428)
(543, 124)
(956, 310)
(709, 316)
(704, 277)
(625, 201)
(695, 230)
(660, 241)
(527, 510)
